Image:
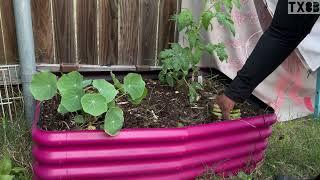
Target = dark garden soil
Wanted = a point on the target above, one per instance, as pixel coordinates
(163, 107)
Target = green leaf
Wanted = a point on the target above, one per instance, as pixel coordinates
(184, 19)
(86, 83)
(113, 121)
(185, 63)
(197, 56)
(117, 83)
(169, 80)
(162, 76)
(192, 94)
(71, 99)
(72, 80)
(112, 104)
(166, 53)
(221, 53)
(5, 165)
(134, 85)
(211, 48)
(196, 85)
(79, 119)
(219, 49)
(206, 18)
(6, 177)
(228, 5)
(217, 6)
(105, 89)
(226, 21)
(176, 47)
(175, 75)
(193, 38)
(138, 101)
(62, 109)
(43, 86)
(94, 104)
(176, 65)
(167, 64)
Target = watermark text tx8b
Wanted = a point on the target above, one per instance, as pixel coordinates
(303, 6)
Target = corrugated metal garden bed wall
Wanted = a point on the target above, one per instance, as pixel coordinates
(93, 32)
(162, 153)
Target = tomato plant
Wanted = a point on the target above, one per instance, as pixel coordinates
(95, 98)
(179, 60)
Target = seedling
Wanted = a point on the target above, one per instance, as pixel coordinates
(90, 99)
(234, 114)
(178, 61)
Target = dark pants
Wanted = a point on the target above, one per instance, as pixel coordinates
(275, 45)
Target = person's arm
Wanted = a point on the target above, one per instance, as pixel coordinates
(275, 45)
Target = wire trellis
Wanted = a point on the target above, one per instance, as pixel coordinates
(11, 101)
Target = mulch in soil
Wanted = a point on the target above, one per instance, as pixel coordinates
(164, 107)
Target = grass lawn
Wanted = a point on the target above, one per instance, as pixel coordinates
(15, 142)
(294, 148)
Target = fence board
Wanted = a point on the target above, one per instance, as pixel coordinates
(148, 31)
(128, 32)
(100, 32)
(43, 31)
(167, 26)
(64, 31)
(108, 32)
(9, 32)
(87, 31)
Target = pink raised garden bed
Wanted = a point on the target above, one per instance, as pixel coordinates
(165, 153)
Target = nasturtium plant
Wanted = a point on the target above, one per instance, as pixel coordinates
(62, 109)
(44, 86)
(114, 121)
(106, 89)
(179, 60)
(94, 104)
(86, 83)
(134, 85)
(71, 99)
(90, 99)
(70, 81)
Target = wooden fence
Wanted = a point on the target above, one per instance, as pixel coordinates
(95, 32)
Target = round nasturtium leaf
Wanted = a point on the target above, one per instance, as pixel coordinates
(62, 109)
(72, 80)
(94, 104)
(106, 89)
(43, 86)
(86, 83)
(134, 85)
(71, 99)
(113, 121)
(138, 101)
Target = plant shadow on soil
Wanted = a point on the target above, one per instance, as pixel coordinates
(164, 107)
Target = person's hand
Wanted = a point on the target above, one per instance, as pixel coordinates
(226, 105)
